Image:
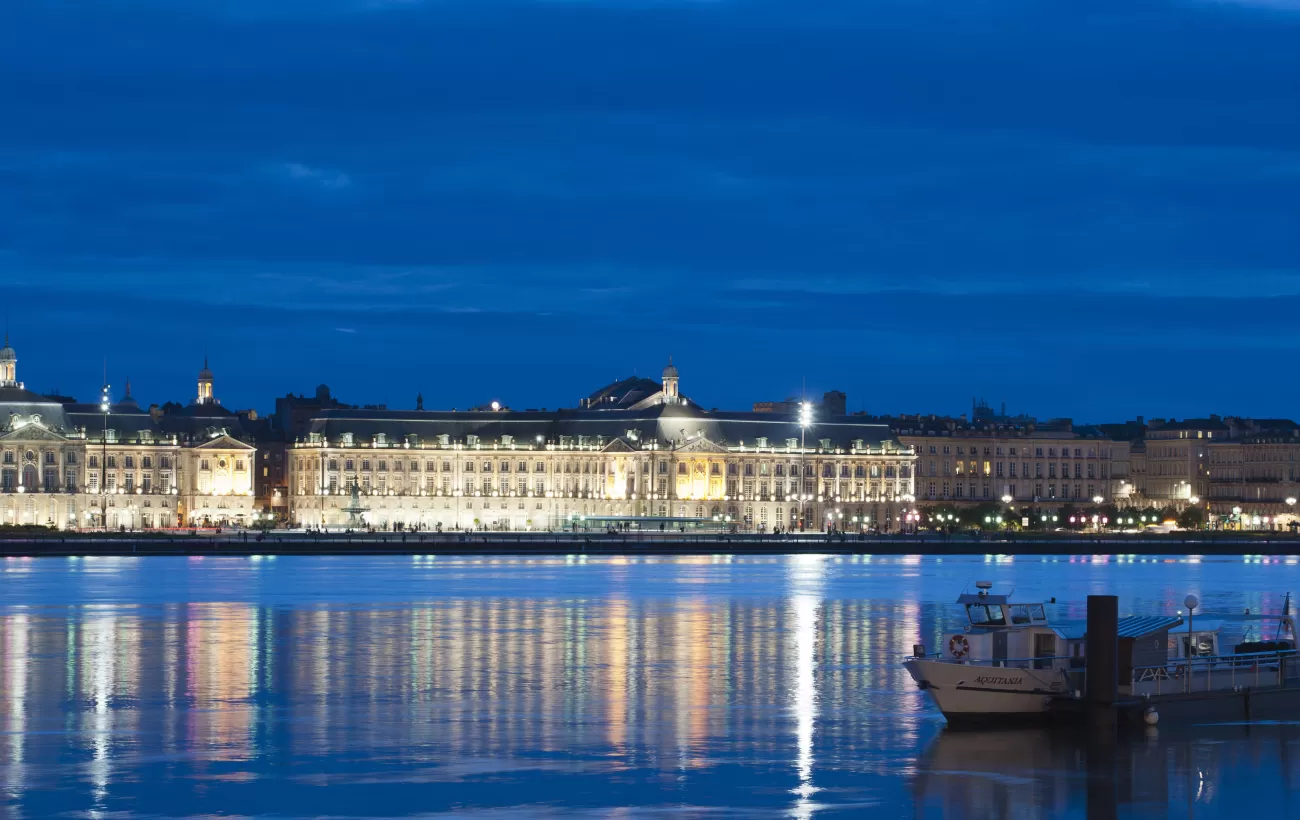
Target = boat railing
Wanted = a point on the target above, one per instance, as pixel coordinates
(1045, 662)
(1217, 673)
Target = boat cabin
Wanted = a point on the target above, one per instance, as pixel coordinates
(1003, 630)
(1201, 643)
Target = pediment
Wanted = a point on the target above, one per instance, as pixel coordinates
(618, 445)
(224, 442)
(701, 445)
(32, 432)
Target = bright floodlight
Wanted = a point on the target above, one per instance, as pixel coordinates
(805, 414)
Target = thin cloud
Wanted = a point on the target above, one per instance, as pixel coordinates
(319, 176)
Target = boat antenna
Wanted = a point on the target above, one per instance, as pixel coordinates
(1285, 621)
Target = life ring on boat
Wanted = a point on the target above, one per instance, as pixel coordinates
(958, 646)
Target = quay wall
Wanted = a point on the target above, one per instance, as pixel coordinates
(359, 543)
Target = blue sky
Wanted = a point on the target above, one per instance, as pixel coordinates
(1088, 209)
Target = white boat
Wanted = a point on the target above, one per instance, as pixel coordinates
(1009, 662)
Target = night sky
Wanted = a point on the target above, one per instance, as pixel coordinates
(1082, 209)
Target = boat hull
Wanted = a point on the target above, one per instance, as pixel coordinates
(970, 694)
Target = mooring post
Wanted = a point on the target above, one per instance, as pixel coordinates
(1102, 651)
(1102, 690)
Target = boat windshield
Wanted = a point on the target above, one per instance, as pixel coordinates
(986, 615)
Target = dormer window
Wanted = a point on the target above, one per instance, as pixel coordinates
(471, 441)
(761, 441)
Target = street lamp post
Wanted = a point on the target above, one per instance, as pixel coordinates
(103, 458)
(805, 421)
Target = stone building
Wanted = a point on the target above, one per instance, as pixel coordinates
(1177, 458)
(1049, 464)
(634, 453)
(72, 465)
(1254, 476)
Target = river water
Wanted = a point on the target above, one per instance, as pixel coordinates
(718, 687)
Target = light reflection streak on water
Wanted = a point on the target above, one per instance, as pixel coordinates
(101, 658)
(805, 582)
(15, 644)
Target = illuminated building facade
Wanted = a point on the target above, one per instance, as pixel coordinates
(1052, 464)
(1254, 480)
(635, 452)
(113, 464)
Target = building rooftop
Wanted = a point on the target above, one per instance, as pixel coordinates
(666, 425)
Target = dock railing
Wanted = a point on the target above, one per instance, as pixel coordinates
(1218, 673)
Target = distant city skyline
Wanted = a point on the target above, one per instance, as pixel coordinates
(1069, 208)
(171, 381)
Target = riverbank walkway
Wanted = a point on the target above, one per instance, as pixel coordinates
(276, 542)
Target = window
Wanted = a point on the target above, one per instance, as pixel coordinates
(1019, 613)
(982, 614)
(130, 462)
(239, 465)
(147, 463)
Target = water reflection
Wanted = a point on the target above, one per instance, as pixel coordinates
(705, 685)
(1207, 771)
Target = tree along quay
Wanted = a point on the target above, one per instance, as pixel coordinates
(563, 543)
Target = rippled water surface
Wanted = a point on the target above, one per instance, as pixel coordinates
(501, 687)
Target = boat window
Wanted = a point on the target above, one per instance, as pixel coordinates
(1019, 614)
(985, 615)
(1036, 612)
